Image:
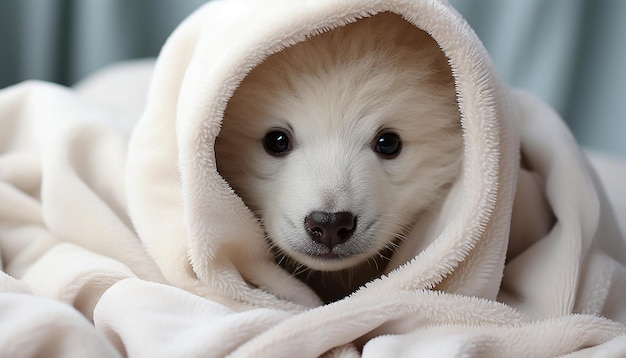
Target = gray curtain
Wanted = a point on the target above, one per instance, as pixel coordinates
(572, 53)
(65, 40)
(569, 52)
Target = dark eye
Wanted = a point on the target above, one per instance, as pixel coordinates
(277, 143)
(388, 145)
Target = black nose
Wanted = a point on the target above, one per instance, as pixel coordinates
(330, 229)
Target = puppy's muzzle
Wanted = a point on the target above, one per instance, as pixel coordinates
(330, 229)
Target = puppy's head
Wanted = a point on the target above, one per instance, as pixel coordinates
(338, 146)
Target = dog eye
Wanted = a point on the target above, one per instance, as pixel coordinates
(388, 145)
(277, 143)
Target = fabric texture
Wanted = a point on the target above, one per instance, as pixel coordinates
(129, 226)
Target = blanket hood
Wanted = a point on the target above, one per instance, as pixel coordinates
(204, 235)
(485, 242)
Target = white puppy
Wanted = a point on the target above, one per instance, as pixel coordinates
(340, 143)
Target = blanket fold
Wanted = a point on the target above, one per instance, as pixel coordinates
(130, 233)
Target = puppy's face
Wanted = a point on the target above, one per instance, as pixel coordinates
(338, 162)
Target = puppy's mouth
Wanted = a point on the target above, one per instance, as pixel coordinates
(299, 246)
(322, 255)
(331, 261)
(317, 259)
(317, 256)
(329, 256)
(325, 254)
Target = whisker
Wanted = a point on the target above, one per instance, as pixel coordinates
(282, 259)
(309, 275)
(380, 254)
(350, 278)
(373, 259)
(300, 269)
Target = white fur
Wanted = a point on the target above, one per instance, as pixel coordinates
(334, 93)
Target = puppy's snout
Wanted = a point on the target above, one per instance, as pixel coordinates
(330, 229)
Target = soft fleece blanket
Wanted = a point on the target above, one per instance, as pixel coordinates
(121, 239)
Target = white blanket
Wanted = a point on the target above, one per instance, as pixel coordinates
(121, 239)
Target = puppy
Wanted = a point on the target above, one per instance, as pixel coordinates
(340, 143)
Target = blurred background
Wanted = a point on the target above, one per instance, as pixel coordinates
(572, 53)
